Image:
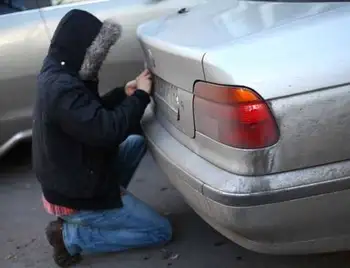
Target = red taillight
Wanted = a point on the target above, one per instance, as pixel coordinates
(235, 116)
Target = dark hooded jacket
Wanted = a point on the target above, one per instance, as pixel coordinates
(76, 133)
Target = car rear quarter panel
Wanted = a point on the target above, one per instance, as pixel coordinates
(23, 45)
(302, 70)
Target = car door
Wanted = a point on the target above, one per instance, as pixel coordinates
(125, 59)
(23, 45)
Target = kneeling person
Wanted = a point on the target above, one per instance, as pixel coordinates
(83, 152)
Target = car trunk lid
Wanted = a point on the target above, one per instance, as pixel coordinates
(174, 68)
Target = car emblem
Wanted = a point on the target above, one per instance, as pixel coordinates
(151, 60)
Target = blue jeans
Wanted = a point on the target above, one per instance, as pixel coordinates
(18, 3)
(132, 226)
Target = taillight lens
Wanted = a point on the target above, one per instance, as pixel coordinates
(235, 116)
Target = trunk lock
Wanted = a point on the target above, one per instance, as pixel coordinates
(183, 10)
(178, 107)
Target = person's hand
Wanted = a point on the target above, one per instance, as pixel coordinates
(130, 87)
(144, 81)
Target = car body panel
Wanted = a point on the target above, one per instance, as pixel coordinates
(300, 43)
(178, 67)
(212, 26)
(305, 86)
(22, 49)
(174, 74)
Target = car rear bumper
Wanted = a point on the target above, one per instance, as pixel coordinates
(300, 219)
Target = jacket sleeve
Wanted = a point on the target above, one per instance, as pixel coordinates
(113, 97)
(83, 117)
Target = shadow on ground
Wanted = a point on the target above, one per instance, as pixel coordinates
(196, 245)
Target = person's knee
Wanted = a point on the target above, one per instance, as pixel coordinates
(166, 232)
(137, 141)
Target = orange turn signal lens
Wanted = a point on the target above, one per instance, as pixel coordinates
(224, 94)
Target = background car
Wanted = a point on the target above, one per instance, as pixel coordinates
(251, 119)
(26, 28)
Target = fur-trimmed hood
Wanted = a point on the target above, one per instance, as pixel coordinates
(81, 43)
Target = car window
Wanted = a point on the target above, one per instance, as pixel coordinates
(12, 6)
(63, 2)
(47, 3)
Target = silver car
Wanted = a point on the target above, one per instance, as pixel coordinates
(26, 28)
(251, 119)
